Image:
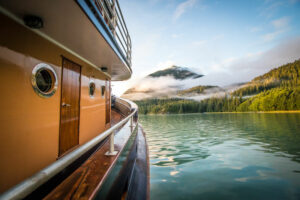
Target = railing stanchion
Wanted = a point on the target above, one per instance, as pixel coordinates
(131, 123)
(111, 151)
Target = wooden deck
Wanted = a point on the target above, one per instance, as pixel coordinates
(116, 117)
(85, 181)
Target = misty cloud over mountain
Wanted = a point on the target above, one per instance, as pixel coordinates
(168, 83)
(163, 83)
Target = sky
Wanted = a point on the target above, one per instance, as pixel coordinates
(228, 41)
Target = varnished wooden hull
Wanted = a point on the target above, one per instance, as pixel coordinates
(30, 124)
(42, 130)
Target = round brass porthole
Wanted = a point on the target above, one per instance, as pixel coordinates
(44, 80)
(92, 88)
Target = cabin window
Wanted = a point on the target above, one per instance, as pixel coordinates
(44, 80)
(102, 91)
(92, 88)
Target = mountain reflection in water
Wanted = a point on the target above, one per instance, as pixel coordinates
(227, 156)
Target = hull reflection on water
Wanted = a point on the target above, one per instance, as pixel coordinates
(228, 156)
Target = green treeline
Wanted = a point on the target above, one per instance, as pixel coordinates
(272, 100)
(285, 76)
(177, 106)
(284, 98)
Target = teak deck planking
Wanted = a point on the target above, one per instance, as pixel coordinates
(86, 180)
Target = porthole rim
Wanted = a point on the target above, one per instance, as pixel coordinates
(38, 68)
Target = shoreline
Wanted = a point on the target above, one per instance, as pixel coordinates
(275, 111)
(254, 112)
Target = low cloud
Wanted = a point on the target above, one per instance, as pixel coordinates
(165, 86)
(168, 87)
(161, 83)
(152, 87)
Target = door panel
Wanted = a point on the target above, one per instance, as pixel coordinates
(70, 99)
(107, 101)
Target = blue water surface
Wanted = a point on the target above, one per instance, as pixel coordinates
(224, 156)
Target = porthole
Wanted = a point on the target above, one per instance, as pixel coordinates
(44, 80)
(102, 91)
(92, 88)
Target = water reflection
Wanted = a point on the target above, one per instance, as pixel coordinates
(234, 154)
(187, 136)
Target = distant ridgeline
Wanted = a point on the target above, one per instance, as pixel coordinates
(177, 72)
(276, 90)
(164, 83)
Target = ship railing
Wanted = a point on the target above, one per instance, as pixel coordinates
(112, 14)
(123, 106)
(29, 185)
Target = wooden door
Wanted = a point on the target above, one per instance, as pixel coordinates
(107, 101)
(69, 109)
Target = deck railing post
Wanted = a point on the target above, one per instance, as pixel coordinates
(131, 123)
(111, 151)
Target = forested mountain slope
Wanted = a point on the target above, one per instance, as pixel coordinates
(285, 76)
(276, 90)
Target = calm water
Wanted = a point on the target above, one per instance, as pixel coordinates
(224, 156)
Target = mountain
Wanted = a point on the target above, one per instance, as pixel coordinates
(279, 89)
(287, 75)
(164, 83)
(177, 72)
